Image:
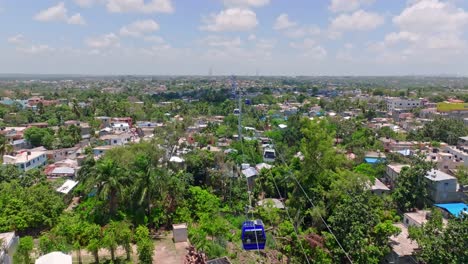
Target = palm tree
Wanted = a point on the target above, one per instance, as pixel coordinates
(76, 109)
(111, 181)
(148, 180)
(5, 147)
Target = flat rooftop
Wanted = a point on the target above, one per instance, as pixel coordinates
(401, 244)
(397, 167)
(437, 175)
(23, 157)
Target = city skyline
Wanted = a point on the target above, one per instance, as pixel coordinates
(242, 37)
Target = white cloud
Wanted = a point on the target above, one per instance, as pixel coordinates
(35, 49)
(358, 21)
(347, 5)
(302, 31)
(154, 39)
(103, 41)
(252, 37)
(140, 6)
(402, 36)
(432, 16)
(139, 28)
(223, 42)
(16, 40)
(59, 13)
(446, 42)
(246, 3)
(283, 22)
(76, 19)
(233, 19)
(292, 29)
(309, 48)
(85, 3)
(427, 27)
(265, 44)
(53, 13)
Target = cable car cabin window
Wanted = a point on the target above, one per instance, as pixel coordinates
(249, 237)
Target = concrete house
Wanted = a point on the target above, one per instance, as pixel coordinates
(442, 188)
(119, 140)
(26, 160)
(402, 103)
(393, 172)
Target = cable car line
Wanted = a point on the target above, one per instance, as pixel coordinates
(247, 225)
(250, 193)
(308, 198)
(313, 205)
(289, 216)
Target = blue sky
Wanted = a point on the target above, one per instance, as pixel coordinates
(273, 37)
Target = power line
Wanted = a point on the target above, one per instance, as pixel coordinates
(234, 85)
(250, 193)
(289, 216)
(310, 200)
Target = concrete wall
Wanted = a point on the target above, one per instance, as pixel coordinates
(443, 191)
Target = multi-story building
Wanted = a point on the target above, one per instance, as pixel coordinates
(442, 188)
(402, 103)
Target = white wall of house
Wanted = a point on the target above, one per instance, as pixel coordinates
(26, 162)
(400, 103)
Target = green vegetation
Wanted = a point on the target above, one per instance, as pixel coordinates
(133, 193)
(441, 244)
(23, 252)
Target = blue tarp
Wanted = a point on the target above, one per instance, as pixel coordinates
(374, 160)
(453, 208)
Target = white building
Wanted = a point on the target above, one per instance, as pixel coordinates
(442, 188)
(402, 103)
(118, 139)
(120, 127)
(26, 160)
(460, 154)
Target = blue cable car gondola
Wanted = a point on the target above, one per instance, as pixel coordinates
(236, 111)
(247, 102)
(253, 235)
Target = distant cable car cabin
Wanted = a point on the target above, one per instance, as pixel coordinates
(253, 235)
(247, 102)
(236, 111)
(269, 155)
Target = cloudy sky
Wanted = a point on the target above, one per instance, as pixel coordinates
(273, 37)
